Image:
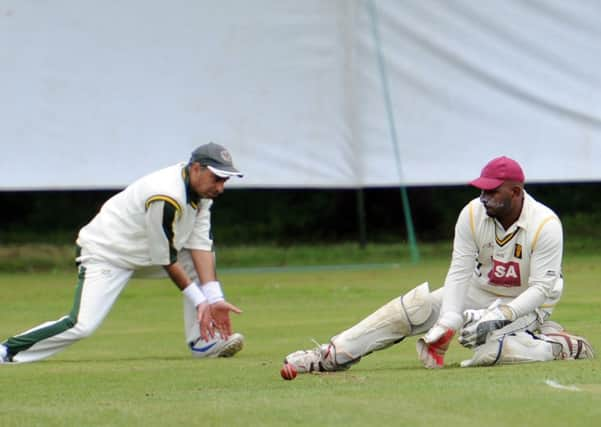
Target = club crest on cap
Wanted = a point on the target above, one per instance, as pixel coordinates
(226, 156)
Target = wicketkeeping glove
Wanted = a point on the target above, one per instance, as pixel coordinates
(471, 316)
(432, 347)
(480, 323)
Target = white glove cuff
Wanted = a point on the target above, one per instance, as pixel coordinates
(508, 312)
(193, 294)
(212, 291)
(451, 320)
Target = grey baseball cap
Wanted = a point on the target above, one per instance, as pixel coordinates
(216, 158)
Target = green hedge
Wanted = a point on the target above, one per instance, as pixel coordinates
(285, 217)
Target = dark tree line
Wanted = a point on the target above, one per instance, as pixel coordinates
(288, 216)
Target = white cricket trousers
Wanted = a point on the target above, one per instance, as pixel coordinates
(97, 289)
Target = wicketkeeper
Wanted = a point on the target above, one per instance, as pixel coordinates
(162, 219)
(503, 283)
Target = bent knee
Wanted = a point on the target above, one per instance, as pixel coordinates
(84, 329)
(422, 308)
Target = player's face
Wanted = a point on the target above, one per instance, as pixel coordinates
(205, 183)
(499, 202)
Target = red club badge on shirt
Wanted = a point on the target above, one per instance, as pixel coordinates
(505, 274)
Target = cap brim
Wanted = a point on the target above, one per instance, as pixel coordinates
(486, 183)
(225, 173)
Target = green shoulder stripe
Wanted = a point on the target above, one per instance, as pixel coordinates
(162, 197)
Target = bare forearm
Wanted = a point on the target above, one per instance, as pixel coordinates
(177, 275)
(189, 289)
(204, 263)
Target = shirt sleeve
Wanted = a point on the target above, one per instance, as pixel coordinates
(460, 271)
(201, 237)
(545, 267)
(160, 224)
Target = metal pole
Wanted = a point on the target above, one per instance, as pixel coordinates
(393, 135)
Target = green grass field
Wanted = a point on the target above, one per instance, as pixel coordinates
(136, 371)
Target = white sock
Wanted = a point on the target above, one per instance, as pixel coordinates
(3, 351)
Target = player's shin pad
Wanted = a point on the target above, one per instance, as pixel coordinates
(386, 326)
(521, 347)
(514, 343)
(530, 322)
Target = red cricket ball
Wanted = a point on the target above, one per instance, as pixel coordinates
(288, 372)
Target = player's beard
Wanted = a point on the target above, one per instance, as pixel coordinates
(494, 208)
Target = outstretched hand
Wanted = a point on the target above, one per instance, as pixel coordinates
(221, 317)
(216, 317)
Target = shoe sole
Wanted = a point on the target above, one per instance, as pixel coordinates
(231, 348)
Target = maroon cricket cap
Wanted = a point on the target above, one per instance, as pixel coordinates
(496, 172)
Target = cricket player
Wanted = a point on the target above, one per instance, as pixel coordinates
(161, 220)
(503, 283)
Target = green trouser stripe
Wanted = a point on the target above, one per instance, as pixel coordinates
(25, 341)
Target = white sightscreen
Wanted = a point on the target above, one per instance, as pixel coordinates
(95, 94)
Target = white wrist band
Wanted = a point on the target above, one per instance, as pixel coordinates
(212, 291)
(193, 293)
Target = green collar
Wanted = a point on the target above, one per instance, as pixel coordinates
(192, 198)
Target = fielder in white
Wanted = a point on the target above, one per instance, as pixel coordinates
(162, 219)
(503, 283)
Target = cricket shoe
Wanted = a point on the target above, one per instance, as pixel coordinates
(3, 354)
(572, 346)
(217, 346)
(319, 359)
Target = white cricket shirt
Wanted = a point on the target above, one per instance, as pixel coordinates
(149, 222)
(522, 262)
